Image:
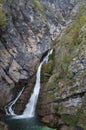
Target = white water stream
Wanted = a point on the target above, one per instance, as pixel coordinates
(8, 108)
(31, 105)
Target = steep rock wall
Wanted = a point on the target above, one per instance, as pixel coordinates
(62, 101)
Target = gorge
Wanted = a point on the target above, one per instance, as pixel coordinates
(28, 117)
(28, 30)
(31, 105)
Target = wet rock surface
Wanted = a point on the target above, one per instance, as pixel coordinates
(3, 126)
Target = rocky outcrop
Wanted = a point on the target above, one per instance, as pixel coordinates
(63, 93)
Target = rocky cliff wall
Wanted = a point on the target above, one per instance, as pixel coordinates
(30, 27)
(62, 101)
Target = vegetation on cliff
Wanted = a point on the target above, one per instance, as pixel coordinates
(65, 90)
(38, 5)
(2, 15)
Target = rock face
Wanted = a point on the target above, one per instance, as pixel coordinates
(30, 28)
(3, 126)
(62, 101)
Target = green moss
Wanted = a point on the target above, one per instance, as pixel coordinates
(2, 17)
(84, 73)
(2, 1)
(38, 5)
(82, 120)
(84, 102)
(47, 69)
(79, 119)
(71, 120)
(82, 10)
(39, 8)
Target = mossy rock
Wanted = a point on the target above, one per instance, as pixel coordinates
(47, 69)
(39, 9)
(2, 1)
(38, 5)
(82, 120)
(84, 102)
(53, 81)
(3, 18)
(71, 120)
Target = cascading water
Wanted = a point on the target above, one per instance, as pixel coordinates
(31, 105)
(8, 108)
(28, 120)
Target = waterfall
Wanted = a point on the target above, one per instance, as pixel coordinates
(8, 108)
(31, 105)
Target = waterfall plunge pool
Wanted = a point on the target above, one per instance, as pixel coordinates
(25, 124)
